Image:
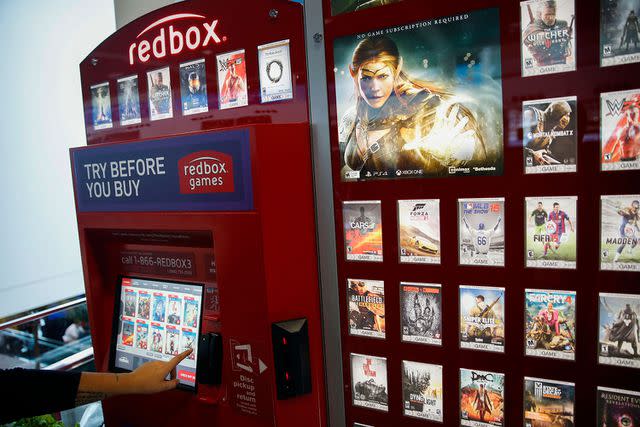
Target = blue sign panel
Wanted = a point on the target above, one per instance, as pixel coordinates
(208, 172)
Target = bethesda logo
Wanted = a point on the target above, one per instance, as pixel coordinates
(173, 40)
(206, 172)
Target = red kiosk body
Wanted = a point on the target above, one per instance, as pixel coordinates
(206, 199)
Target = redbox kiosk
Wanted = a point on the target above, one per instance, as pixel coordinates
(194, 200)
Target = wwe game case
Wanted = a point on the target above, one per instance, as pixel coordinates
(481, 231)
(620, 130)
(422, 390)
(618, 408)
(362, 230)
(619, 32)
(193, 87)
(548, 41)
(232, 80)
(619, 228)
(482, 318)
(619, 332)
(101, 106)
(369, 382)
(366, 307)
(548, 403)
(550, 323)
(128, 100)
(419, 231)
(421, 312)
(550, 136)
(481, 398)
(275, 72)
(160, 103)
(551, 232)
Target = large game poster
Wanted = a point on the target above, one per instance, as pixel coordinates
(128, 100)
(160, 102)
(550, 323)
(421, 312)
(193, 87)
(619, 331)
(366, 307)
(101, 106)
(550, 136)
(481, 398)
(482, 318)
(619, 32)
(422, 99)
(422, 390)
(620, 130)
(481, 231)
(369, 381)
(362, 230)
(232, 80)
(620, 231)
(419, 231)
(551, 232)
(548, 403)
(618, 408)
(548, 39)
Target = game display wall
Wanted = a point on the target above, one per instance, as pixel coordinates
(524, 280)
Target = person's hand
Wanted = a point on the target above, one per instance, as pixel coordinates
(538, 156)
(150, 377)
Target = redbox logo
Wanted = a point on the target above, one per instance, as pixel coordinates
(206, 172)
(173, 40)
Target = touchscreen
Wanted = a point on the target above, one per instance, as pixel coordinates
(156, 321)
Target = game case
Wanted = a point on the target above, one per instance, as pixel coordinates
(127, 332)
(275, 71)
(481, 398)
(620, 231)
(159, 307)
(160, 102)
(175, 309)
(422, 390)
(620, 130)
(481, 231)
(550, 323)
(369, 381)
(362, 230)
(189, 338)
(619, 32)
(419, 231)
(193, 87)
(142, 334)
(551, 232)
(130, 302)
(548, 40)
(619, 331)
(172, 340)
(157, 337)
(548, 403)
(421, 99)
(191, 310)
(366, 307)
(232, 80)
(128, 100)
(618, 408)
(101, 106)
(144, 304)
(482, 318)
(421, 312)
(550, 136)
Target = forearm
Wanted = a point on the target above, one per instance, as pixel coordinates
(96, 386)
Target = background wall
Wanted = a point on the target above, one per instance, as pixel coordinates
(40, 118)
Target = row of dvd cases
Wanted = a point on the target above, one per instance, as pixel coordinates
(275, 85)
(551, 227)
(482, 397)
